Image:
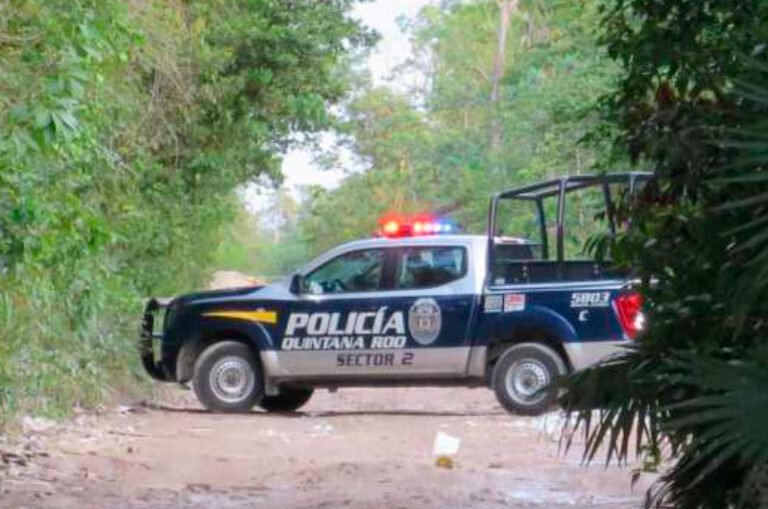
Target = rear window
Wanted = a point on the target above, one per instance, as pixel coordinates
(430, 266)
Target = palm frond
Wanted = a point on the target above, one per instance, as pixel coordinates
(726, 422)
(609, 412)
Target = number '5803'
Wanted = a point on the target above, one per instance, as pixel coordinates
(590, 299)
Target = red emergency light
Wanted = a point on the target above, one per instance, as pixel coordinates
(393, 226)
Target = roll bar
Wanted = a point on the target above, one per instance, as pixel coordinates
(560, 187)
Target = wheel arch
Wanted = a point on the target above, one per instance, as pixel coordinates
(191, 350)
(551, 337)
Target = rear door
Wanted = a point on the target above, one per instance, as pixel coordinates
(433, 289)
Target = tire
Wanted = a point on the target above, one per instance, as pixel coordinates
(289, 400)
(228, 378)
(521, 375)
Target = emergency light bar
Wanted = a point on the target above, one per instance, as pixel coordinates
(401, 226)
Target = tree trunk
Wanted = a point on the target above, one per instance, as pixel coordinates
(506, 8)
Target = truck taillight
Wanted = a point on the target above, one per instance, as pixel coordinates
(629, 308)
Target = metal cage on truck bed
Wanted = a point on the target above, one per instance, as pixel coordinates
(513, 264)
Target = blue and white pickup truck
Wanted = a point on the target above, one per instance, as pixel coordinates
(418, 305)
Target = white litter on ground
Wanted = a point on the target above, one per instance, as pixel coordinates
(321, 429)
(445, 445)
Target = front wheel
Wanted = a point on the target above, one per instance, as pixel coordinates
(228, 378)
(289, 400)
(522, 376)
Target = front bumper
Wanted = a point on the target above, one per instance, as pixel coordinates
(154, 308)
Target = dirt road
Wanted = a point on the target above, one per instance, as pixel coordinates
(358, 448)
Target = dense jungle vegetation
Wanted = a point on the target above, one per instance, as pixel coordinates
(691, 104)
(482, 115)
(126, 128)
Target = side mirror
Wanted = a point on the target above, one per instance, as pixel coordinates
(297, 284)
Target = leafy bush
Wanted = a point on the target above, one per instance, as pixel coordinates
(690, 392)
(126, 127)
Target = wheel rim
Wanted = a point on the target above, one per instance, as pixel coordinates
(232, 379)
(525, 379)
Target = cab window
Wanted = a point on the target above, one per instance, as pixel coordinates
(430, 266)
(356, 271)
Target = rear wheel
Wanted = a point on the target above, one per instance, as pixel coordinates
(228, 377)
(289, 400)
(522, 376)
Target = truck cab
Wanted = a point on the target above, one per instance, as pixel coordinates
(417, 305)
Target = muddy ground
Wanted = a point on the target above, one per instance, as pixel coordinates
(357, 448)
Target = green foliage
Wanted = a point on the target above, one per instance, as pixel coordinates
(126, 127)
(266, 244)
(429, 149)
(692, 385)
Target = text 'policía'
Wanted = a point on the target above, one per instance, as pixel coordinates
(335, 331)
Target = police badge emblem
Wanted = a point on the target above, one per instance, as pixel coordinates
(425, 321)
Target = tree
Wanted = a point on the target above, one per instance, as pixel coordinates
(433, 153)
(506, 9)
(126, 129)
(694, 385)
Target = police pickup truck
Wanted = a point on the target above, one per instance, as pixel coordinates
(418, 305)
